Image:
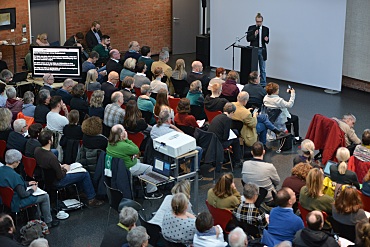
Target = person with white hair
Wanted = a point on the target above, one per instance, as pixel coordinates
(6, 76)
(23, 196)
(28, 108)
(133, 51)
(138, 237)
(65, 91)
(16, 138)
(48, 82)
(40, 242)
(116, 235)
(238, 238)
(197, 74)
(346, 124)
(13, 103)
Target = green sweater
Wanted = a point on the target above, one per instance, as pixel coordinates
(103, 52)
(124, 150)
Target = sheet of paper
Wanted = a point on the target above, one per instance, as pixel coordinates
(38, 192)
(232, 135)
(201, 123)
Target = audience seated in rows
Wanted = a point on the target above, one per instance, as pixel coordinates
(224, 194)
(181, 187)
(90, 64)
(128, 89)
(109, 87)
(138, 237)
(58, 173)
(94, 35)
(229, 89)
(308, 151)
(91, 83)
(207, 234)
(156, 85)
(113, 113)
(48, 82)
(213, 102)
(116, 235)
(128, 68)
(73, 130)
(133, 121)
(13, 103)
(183, 116)
(16, 139)
(254, 126)
(146, 58)
(283, 223)
(22, 196)
(145, 103)
(114, 63)
(120, 146)
(196, 98)
(260, 172)
(298, 178)
(133, 51)
(96, 104)
(5, 123)
(32, 142)
(28, 108)
(179, 225)
(78, 101)
(346, 124)
(65, 91)
(140, 76)
(93, 138)
(312, 235)
(164, 56)
(238, 238)
(55, 121)
(197, 74)
(162, 104)
(179, 73)
(247, 212)
(339, 173)
(221, 126)
(255, 90)
(103, 49)
(42, 107)
(219, 78)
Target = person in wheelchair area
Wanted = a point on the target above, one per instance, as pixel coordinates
(273, 101)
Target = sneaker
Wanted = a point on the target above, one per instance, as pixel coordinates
(153, 196)
(298, 140)
(53, 224)
(95, 203)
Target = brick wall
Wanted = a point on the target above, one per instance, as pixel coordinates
(147, 21)
(21, 18)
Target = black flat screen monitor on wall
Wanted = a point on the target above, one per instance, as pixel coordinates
(61, 62)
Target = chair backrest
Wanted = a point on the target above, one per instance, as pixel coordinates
(189, 130)
(29, 165)
(360, 167)
(220, 216)
(181, 87)
(137, 91)
(365, 201)
(89, 94)
(236, 124)
(197, 112)
(152, 230)
(173, 103)
(153, 95)
(126, 202)
(147, 115)
(172, 244)
(136, 138)
(211, 114)
(114, 197)
(345, 231)
(2, 150)
(6, 194)
(229, 98)
(304, 213)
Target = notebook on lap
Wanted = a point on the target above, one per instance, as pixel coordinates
(159, 174)
(327, 167)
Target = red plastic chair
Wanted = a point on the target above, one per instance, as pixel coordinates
(89, 94)
(365, 201)
(220, 216)
(29, 165)
(304, 213)
(359, 167)
(211, 114)
(2, 150)
(173, 103)
(136, 138)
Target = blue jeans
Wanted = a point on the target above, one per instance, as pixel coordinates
(82, 179)
(263, 124)
(54, 151)
(262, 66)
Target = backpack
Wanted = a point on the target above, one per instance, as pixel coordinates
(32, 230)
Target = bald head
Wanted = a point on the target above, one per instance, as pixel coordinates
(117, 97)
(197, 66)
(134, 45)
(315, 220)
(243, 97)
(113, 77)
(114, 53)
(117, 128)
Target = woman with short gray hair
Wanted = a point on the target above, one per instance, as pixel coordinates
(25, 197)
(40, 242)
(28, 108)
(138, 237)
(12, 103)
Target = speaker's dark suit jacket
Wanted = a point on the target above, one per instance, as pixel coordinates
(108, 89)
(114, 66)
(254, 40)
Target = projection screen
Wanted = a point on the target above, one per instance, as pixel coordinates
(306, 37)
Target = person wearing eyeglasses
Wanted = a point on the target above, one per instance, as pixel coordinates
(42, 39)
(259, 36)
(48, 82)
(16, 138)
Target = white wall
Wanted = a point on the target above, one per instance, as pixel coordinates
(306, 37)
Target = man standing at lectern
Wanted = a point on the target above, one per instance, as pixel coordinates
(258, 36)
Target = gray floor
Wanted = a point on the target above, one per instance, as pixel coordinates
(86, 227)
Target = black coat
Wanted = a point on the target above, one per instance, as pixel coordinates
(108, 89)
(254, 40)
(114, 66)
(91, 40)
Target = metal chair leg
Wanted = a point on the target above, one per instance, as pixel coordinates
(231, 163)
